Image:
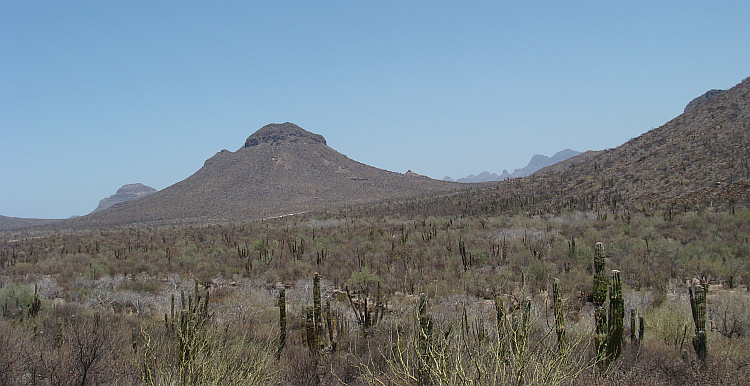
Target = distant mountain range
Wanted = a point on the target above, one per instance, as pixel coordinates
(537, 162)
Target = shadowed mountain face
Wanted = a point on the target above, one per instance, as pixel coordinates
(281, 169)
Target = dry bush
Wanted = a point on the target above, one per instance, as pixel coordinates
(12, 360)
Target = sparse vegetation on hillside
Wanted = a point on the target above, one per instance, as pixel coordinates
(470, 269)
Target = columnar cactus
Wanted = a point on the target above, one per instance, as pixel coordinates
(616, 316)
(58, 330)
(698, 306)
(36, 304)
(520, 329)
(312, 342)
(331, 325)
(317, 310)
(641, 326)
(464, 258)
(559, 315)
(282, 321)
(599, 297)
(188, 326)
(500, 314)
(525, 326)
(600, 277)
(424, 331)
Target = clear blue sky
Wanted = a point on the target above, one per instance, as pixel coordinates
(95, 95)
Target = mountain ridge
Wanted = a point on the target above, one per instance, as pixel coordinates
(537, 162)
(280, 169)
(15, 223)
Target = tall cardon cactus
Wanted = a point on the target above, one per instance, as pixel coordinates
(599, 298)
(698, 306)
(616, 317)
(282, 321)
(559, 316)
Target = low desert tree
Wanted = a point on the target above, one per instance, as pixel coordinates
(367, 311)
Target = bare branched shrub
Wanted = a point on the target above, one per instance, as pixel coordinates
(729, 313)
(468, 350)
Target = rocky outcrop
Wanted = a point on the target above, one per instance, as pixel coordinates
(125, 193)
(702, 99)
(283, 132)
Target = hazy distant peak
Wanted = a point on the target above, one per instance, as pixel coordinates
(563, 155)
(537, 162)
(125, 193)
(283, 132)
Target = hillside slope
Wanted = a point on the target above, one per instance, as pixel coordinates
(13, 223)
(700, 158)
(281, 169)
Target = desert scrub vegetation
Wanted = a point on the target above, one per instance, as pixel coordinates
(397, 299)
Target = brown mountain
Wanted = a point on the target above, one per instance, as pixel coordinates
(699, 159)
(710, 94)
(281, 169)
(703, 155)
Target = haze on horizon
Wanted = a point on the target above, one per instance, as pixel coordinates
(97, 95)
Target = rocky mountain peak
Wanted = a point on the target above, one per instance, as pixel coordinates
(710, 94)
(283, 132)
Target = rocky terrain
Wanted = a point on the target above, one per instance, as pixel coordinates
(125, 193)
(710, 94)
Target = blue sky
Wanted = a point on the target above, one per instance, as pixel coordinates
(95, 95)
